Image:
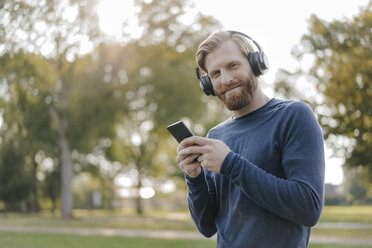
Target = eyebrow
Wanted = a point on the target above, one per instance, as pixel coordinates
(213, 72)
(227, 65)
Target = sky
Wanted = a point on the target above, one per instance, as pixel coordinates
(277, 25)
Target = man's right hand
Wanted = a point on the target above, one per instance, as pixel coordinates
(189, 164)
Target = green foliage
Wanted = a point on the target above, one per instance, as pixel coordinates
(161, 88)
(14, 181)
(51, 187)
(82, 110)
(26, 126)
(26, 79)
(42, 41)
(95, 97)
(52, 28)
(342, 73)
(358, 189)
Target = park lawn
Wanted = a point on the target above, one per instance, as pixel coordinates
(39, 240)
(337, 246)
(161, 220)
(104, 219)
(357, 214)
(345, 233)
(154, 220)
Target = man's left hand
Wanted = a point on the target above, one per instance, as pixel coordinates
(213, 152)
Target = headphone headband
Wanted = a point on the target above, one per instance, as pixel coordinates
(243, 34)
(257, 60)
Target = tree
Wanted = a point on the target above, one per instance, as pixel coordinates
(342, 73)
(57, 31)
(14, 181)
(51, 187)
(24, 79)
(139, 86)
(162, 86)
(356, 185)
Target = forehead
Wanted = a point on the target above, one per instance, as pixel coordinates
(224, 54)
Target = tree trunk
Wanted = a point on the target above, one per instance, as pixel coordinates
(35, 206)
(66, 165)
(54, 207)
(5, 212)
(139, 200)
(23, 206)
(66, 179)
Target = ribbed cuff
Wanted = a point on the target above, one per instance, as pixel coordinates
(227, 164)
(195, 180)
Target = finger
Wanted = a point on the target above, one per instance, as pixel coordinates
(194, 140)
(189, 164)
(204, 164)
(181, 156)
(193, 150)
(192, 169)
(201, 158)
(186, 158)
(192, 159)
(180, 147)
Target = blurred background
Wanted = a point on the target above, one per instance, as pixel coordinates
(87, 88)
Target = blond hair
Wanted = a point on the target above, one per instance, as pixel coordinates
(215, 40)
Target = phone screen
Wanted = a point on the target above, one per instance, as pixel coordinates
(179, 131)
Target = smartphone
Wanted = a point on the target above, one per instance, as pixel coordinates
(179, 131)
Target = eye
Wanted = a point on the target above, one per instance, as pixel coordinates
(215, 74)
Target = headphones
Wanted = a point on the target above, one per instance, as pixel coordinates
(257, 60)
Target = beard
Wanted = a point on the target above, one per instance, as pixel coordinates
(239, 97)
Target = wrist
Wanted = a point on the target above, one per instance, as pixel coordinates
(195, 173)
(227, 163)
(195, 180)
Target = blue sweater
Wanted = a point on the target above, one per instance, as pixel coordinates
(270, 189)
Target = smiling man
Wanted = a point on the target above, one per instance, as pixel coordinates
(257, 180)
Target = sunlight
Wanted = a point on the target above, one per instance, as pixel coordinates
(147, 192)
(168, 187)
(333, 170)
(113, 13)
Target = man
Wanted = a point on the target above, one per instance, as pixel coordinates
(258, 179)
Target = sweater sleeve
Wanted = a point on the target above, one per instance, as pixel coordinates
(299, 196)
(201, 198)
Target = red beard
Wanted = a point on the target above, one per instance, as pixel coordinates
(238, 95)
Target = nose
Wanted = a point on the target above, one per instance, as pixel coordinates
(226, 77)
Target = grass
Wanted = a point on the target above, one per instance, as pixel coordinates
(157, 220)
(345, 233)
(359, 214)
(39, 240)
(337, 246)
(105, 219)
